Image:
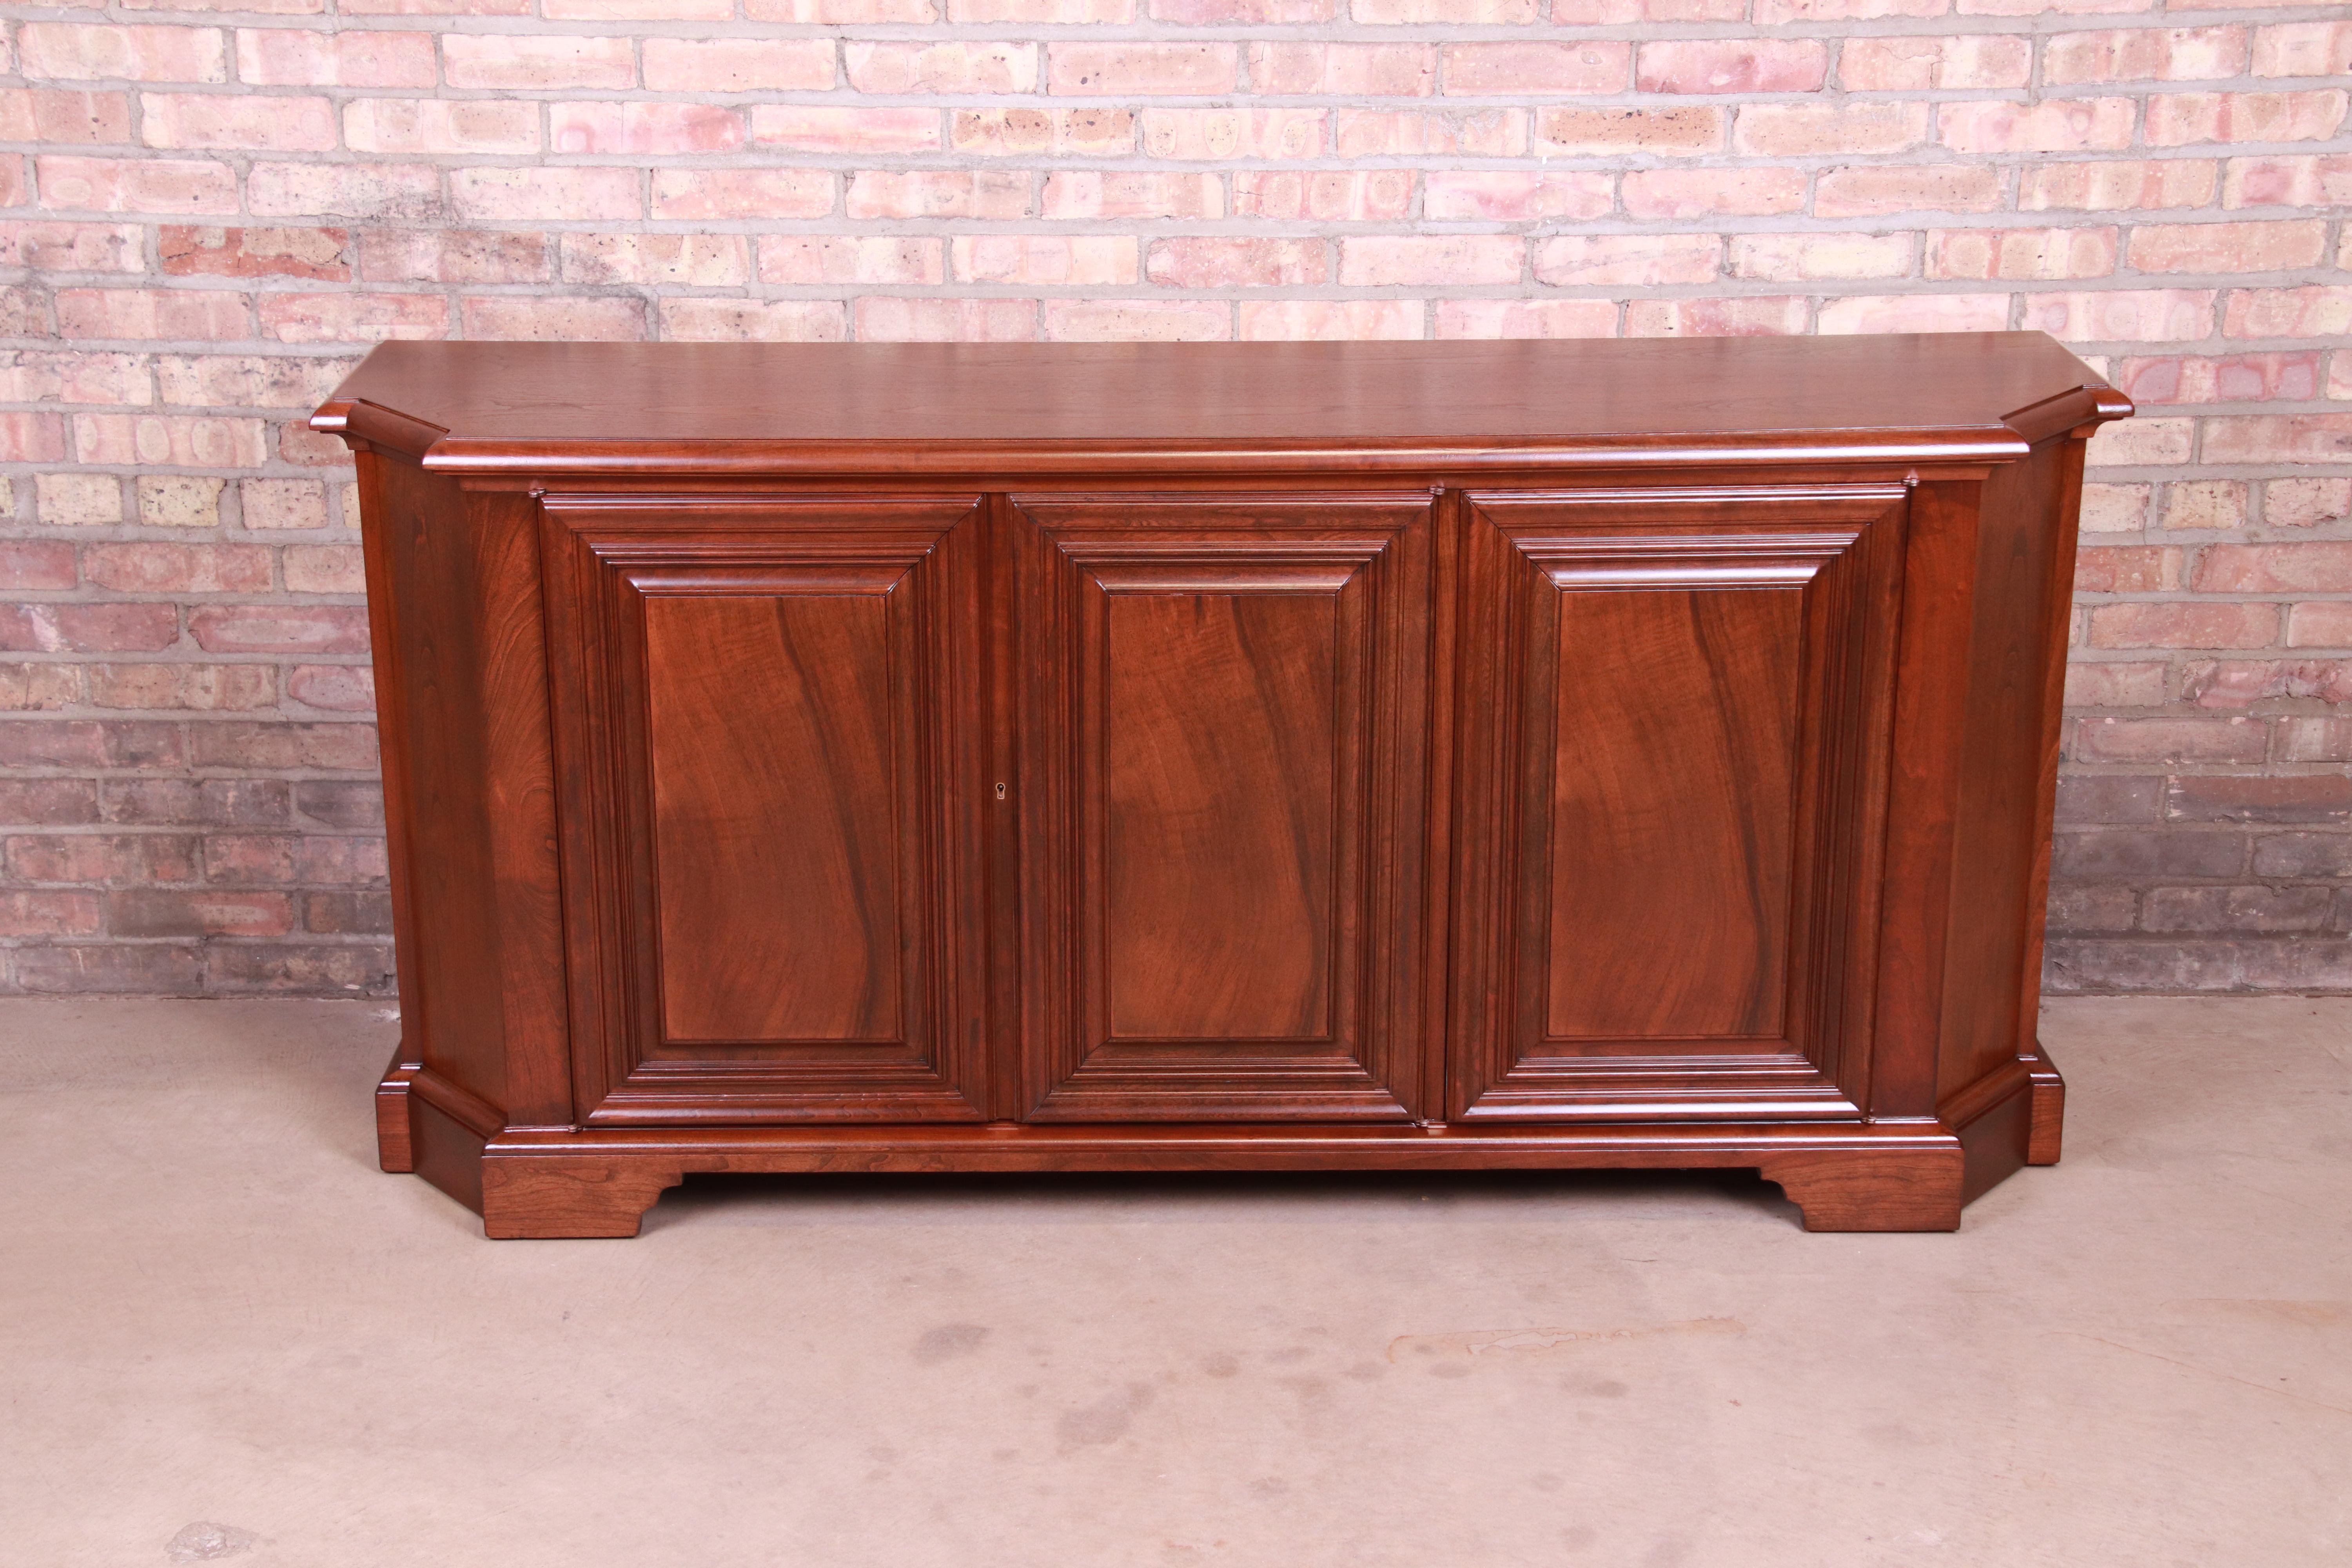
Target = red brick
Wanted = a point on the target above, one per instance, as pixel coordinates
(695, 260)
(1605, 261)
(2107, 685)
(1868, 190)
(2280, 438)
(2240, 682)
(2118, 185)
(2289, 798)
(1063, 260)
(148, 911)
(1911, 64)
(553, 317)
(484, 127)
(812, 259)
(336, 688)
(1810, 129)
(1367, 70)
(36, 564)
(150, 568)
(2275, 569)
(2205, 505)
(1141, 69)
(455, 256)
(1705, 193)
(688, 194)
(1739, 317)
(2170, 740)
(1684, 132)
(301, 56)
(958, 193)
(655, 128)
(65, 115)
(2318, 310)
(73, 51)
(353, 318)
(2305, 504)
(1292, 320)
(1030, 133)
(912, 67)
(1732, 65)
(1236, 262)
(313, 191)
(897, 318)
(1512, 195)
(1443, 259)
(1915, 313)
(536, 61)
(1517, 68)
(73, 246)
(31, 438)
(2036, 254)
(1527, 319)
(2228, 246)
(2184, 625)
(198, 688)
(1436, 13)
(754, 320)
(817, 129)
(234, 124)
(49, 914)
(346, 748)
(2304, 49)
(135, 857)
(139, 186)
(526, 195)
(2142, 569)
(44, 803)
(2179, 118)
(1084, 194)
(279, 628)
(2290, 180)
(1217, 135)
(1119, 320)
(322, 254)
(2145, 54)
(2122, 315)
(88, 628)
(2221, 378)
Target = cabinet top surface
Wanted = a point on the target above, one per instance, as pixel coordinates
(512, 406)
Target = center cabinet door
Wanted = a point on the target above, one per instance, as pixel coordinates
(1223, 727)
(772, 747)
(1676, 707)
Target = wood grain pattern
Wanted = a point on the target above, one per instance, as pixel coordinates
(774, 787)
(1222, 765)
(1668, 828)
(776, 706)
(1221, 844)
(1231, 757)
(1674, 800)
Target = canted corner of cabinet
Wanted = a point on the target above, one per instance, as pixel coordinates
(371, 427)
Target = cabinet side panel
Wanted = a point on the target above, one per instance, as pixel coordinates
(1221, 736)
(1994, 852)
(425, 580)
(1673, 789)
(773, 806)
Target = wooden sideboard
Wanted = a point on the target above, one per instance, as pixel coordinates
(1236, 757)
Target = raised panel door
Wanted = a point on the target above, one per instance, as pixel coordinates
(1223, 711)
(773, 712)
(1675, 715)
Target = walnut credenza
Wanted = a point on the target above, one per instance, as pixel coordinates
(1236, 757)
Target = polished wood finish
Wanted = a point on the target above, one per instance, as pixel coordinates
(1219, 757)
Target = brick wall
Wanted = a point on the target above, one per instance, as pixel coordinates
(207, 212)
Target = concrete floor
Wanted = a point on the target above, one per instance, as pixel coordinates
(229, 1338)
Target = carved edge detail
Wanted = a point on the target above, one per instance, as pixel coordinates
(537, 1198)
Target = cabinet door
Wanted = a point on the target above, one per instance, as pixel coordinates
(1675, 709)
(1223, 718)
(769, 720)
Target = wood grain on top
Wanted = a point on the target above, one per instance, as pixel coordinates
(489, 406)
